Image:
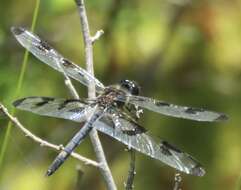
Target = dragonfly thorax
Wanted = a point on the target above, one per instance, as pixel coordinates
(109, 97)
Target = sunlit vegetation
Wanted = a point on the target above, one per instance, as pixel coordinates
(185, 52)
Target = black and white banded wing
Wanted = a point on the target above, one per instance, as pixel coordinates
(127, 132)
(44, 52)
(74, 110)
(136, 138)
(168, 109)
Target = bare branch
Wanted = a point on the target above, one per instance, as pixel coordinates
(88, 42)
(131, 172)
(71, 88)
(42, 142)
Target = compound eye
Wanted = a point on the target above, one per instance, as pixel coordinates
(135, 90)
(131, 86)
(124, 82)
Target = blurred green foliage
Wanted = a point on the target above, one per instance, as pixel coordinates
(186, 52)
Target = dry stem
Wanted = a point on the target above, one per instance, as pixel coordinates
(88, 42)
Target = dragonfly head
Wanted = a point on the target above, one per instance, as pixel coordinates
(131, 86)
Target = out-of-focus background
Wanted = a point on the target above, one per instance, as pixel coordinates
(186, 52)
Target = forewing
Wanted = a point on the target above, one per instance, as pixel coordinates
(137, 138)
(75, 110)
(168, 109)
(44, 52)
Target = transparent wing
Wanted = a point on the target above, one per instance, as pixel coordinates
(75, 110)
(51, 57)
(127, 132)
(165, 108)
(139, 140)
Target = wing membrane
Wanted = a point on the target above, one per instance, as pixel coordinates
(75, 110)
(155, 148)
(168, 109)
(123, 130)
(51, 57)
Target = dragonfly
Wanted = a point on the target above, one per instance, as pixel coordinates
(115, 111)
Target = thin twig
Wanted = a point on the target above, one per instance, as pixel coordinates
(71, 88)
(177, 181)
(88, 42)
(68, 82)
(131, 173)
(42, 142)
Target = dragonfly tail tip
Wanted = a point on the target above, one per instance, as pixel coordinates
(49, 173)
(222, 117)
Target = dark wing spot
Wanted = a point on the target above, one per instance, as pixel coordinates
(16, 103)
(193, 110)
(43, 46)
(171, 146)
(165, 150)
(39, 104)
(160, 103)
(129, 132)
(137, 130)
(68, 63)
(221, 117)
(17, 30)
(63, 105)
(76, 110)
(166, 147)
(45, 101)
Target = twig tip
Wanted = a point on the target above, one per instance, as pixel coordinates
(97, 35)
